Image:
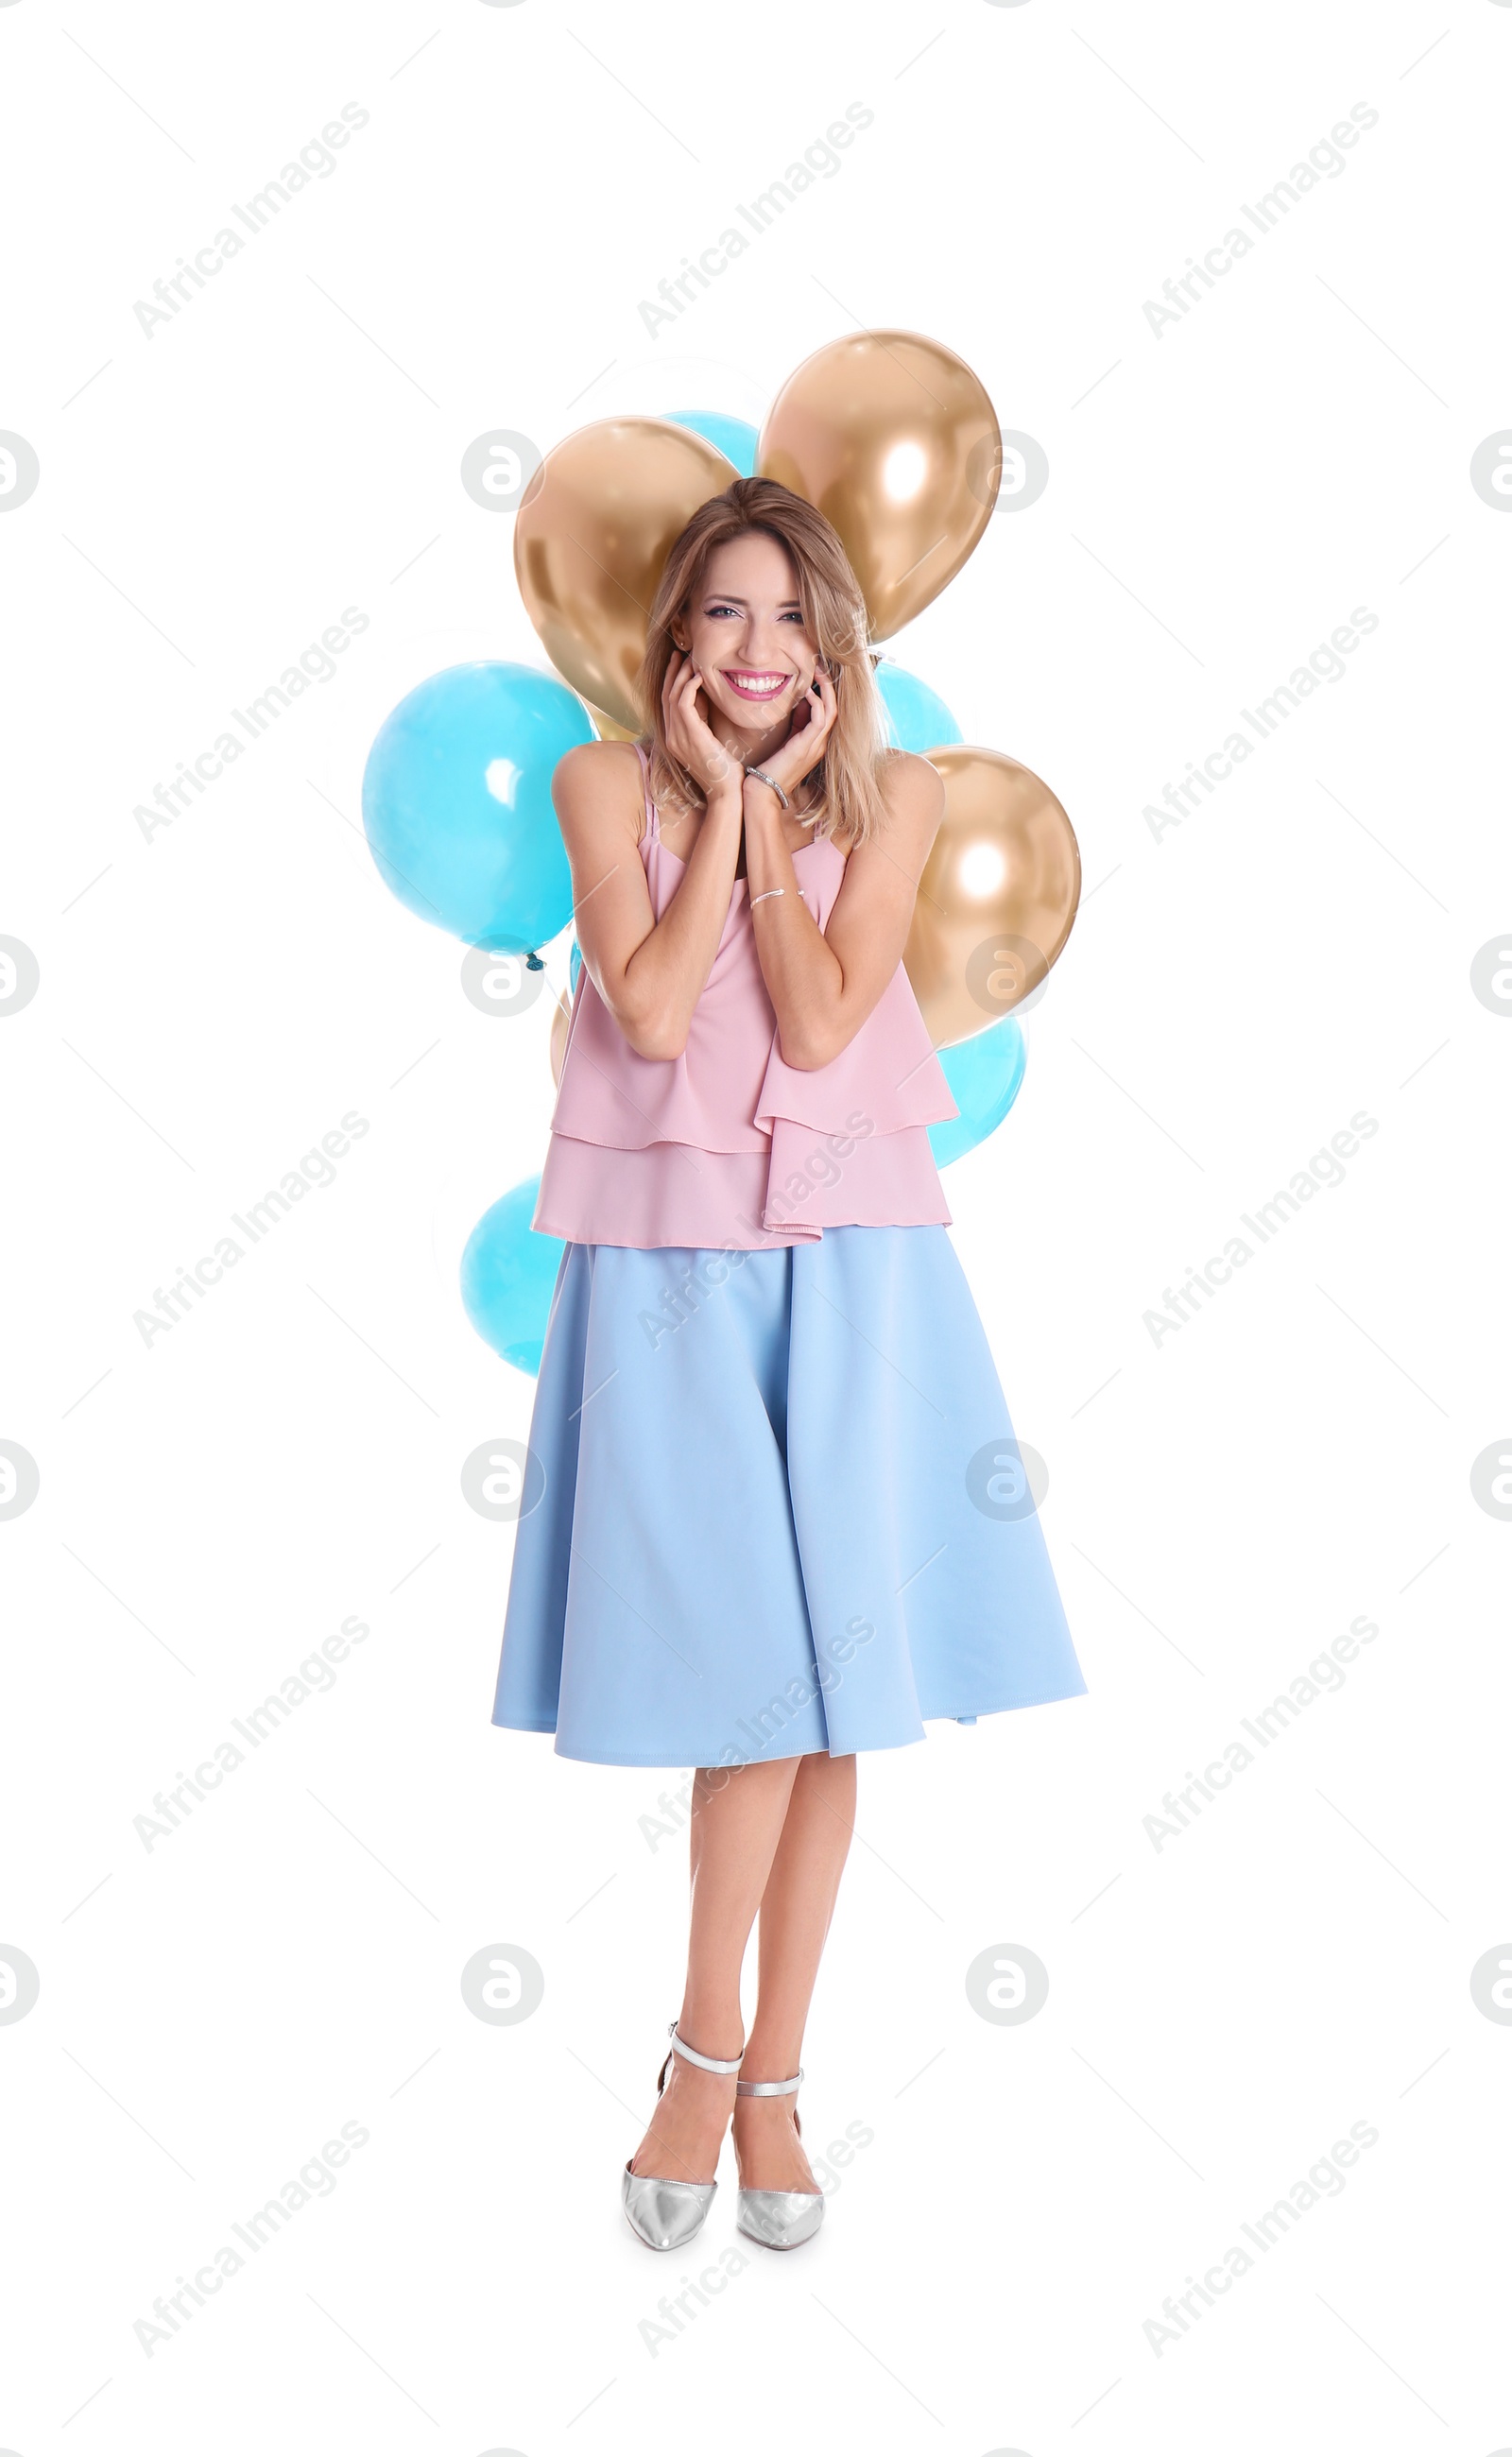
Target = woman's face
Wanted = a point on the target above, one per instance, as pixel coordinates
(744, 630)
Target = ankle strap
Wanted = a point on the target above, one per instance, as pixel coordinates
(710, 2064)
(767, 2089)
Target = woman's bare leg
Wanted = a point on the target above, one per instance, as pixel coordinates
(737, 1819)
(796, 1912)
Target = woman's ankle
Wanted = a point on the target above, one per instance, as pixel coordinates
(765, 2060)
(714, 2030)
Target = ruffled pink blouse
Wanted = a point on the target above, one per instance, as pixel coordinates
(728, 1146)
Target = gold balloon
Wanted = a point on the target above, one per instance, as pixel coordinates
(998, 896)
(591, 536)
(894, 439)
(560, 1020)
(608, 731)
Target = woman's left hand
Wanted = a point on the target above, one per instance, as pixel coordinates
(812, 722)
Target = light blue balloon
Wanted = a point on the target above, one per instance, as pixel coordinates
(918, 718)
(574, 965)
(734, 437)
(508, 1274)
(984, 1074)
(457, 803)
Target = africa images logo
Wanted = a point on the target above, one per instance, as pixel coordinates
(1325, 160)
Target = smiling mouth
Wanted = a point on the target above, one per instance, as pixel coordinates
(747, 683)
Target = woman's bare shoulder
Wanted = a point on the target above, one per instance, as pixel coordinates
(599, 782)
(914, 799)
(599, 763)
(912, 789)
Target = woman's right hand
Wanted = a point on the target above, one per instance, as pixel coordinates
(689, 737)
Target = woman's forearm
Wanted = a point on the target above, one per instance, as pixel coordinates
(665, 977)
(806, 980)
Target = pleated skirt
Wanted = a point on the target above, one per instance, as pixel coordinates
(775, 1506)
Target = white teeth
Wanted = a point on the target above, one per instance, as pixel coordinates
(757, 686)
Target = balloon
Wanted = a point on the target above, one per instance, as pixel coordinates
(895, 441)
(998, 894)
(457, 803)
(984, 1074)
(917, 716)
(574, 965)
(560, 1020)
(509, 1277)
(734, 437)
(590, 537)
(608, 731)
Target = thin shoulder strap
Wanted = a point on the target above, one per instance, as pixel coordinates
(652, 823)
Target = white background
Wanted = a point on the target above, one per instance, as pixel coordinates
(1221, 1505)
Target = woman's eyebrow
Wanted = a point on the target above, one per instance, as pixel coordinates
(729, 597)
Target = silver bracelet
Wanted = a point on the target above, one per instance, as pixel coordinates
(765, 893)
(762, 779)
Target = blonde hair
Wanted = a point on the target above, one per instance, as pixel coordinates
(834, 611)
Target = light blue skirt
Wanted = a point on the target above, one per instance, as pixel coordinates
(774, 1507)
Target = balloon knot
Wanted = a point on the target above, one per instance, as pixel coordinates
(533, 964)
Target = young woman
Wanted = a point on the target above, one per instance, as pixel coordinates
(782, 1517)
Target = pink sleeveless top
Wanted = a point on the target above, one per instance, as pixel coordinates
(728, 1146)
